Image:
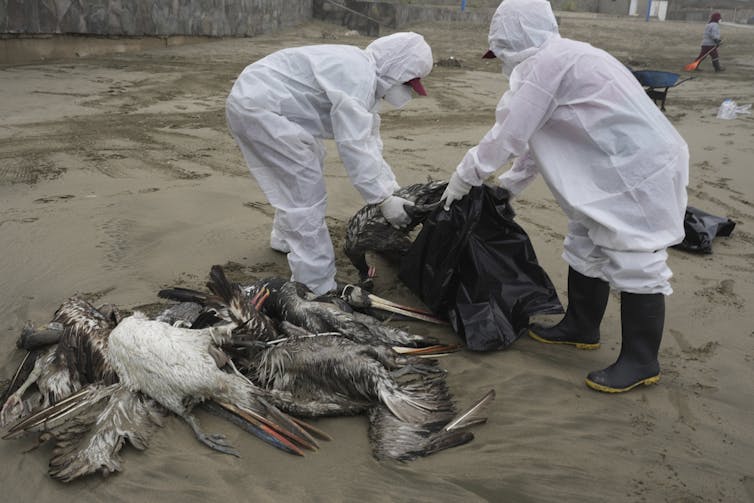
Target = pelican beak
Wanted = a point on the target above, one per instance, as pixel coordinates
(259, 298)
(429, 351)
(315, 432)
(287, 436)
(285, 423)
(357, 297)
(248, 422)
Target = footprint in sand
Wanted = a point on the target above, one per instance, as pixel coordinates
(691, 353)
(264, 208)
(722, 293)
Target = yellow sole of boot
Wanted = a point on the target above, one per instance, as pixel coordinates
(579, 345)
(607, 389)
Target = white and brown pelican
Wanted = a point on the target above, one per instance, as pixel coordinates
(368, 231)
(182, 367)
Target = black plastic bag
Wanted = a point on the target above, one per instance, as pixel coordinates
(701, 228)
(476, 266)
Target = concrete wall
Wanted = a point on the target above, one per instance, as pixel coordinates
(217, 18)
(367, 16)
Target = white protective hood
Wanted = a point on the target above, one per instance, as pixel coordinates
(518, 29)
(399, 57)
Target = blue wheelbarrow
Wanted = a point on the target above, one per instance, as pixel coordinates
(657, 84)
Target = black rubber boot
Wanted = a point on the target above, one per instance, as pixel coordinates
(642, 319)
(580, 327)
(716, 64)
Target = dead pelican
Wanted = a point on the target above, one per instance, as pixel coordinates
(411, 412)
(296, 304)
(367, 230)
(179, 368)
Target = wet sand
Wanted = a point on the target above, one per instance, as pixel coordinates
(118, 177)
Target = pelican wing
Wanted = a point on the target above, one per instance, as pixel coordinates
(90, 442)
(392, 438)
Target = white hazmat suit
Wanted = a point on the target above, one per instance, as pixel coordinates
(578, 117)
(280, 108)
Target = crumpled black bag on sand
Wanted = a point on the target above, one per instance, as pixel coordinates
(701, 228)
(476, 266)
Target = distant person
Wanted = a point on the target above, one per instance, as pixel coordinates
(616, 166)
(711, 41)
(282, 106)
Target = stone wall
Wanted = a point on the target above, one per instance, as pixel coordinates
(216, 18)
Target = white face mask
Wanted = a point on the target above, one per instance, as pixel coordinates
(512, 59)
(507, 69)
(398, 95)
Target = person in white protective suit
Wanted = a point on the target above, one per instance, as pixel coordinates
(616, 167)
(280, 108)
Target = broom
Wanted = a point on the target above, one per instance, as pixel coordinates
(693, 66)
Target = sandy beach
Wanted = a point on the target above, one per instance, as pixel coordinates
(118, 177)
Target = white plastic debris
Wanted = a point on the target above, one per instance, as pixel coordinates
(729, 109)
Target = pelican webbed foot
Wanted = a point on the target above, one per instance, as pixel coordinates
(216, 442)
(13, 409)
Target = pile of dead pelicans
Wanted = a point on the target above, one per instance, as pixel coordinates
(264, 356)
